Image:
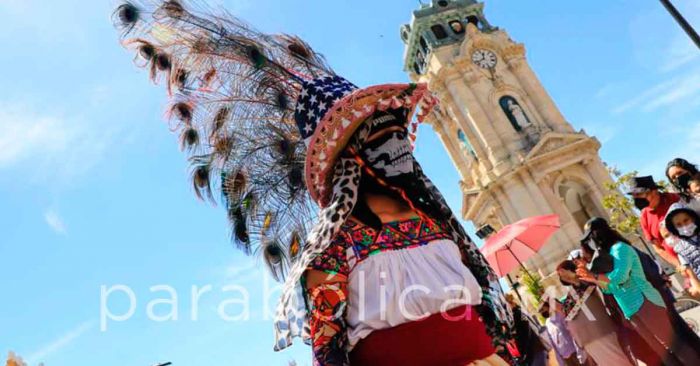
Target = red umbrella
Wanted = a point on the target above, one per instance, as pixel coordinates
(517, 242)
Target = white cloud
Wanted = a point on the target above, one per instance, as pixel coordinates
(55, 222)
(60, 342)
(51, 146)
(667, 93)
(680, 52)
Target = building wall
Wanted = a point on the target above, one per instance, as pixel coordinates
(508, 174)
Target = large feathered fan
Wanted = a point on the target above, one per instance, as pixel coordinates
(233, 91)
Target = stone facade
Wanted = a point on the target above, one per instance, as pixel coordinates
(516, 154)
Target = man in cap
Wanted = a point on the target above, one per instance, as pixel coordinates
(654, 205)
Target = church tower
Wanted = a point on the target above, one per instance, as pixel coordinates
(516, 154)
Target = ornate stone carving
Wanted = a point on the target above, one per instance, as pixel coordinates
(513, 52)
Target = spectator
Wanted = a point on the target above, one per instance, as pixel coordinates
(533, 352)
(684, 223)
(654, 205)
(633, 344)
(680, 173)
(637, 298)
(588, 320)
(566, 349)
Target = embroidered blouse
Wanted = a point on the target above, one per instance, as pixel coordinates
(408, 270)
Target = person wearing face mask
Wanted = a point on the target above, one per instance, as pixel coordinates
(684, 223)
(399, 270)
(654, 205)
(685, 178)
(639, 301)
(633, 344)
(318, 178)
(588, 320)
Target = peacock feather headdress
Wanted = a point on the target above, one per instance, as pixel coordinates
(268, 124)
(233, 92)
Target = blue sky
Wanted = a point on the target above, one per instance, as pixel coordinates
(94, 191)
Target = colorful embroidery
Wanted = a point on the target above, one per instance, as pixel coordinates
(327, 323)
(365, 242)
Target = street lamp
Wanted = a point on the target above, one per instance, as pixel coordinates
(682, 22)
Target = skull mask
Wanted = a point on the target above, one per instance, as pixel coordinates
(390, 154)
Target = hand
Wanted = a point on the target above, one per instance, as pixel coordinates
(663, 231)
(694, 291)
(585, 275)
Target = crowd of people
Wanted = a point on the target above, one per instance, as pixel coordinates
(618, 308)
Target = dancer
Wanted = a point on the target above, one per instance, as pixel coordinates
(383, 273)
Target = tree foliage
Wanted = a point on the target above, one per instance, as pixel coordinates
(533, 284)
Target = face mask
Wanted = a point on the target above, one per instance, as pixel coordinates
(641, 203)
(688, 230)
(683, 181)
(390, 155)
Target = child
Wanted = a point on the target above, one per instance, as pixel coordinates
(684, 224)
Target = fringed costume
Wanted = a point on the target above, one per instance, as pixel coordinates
(287, 142)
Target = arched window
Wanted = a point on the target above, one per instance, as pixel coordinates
(473, 20)
(423, 44)
(578, 202)
(439, 31)
(416, 68)
(456, 26)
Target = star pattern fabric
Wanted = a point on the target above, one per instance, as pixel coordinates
(316, 98)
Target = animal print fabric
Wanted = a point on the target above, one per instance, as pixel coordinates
(291, 318)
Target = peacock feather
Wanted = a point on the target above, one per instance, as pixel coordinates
(232, 91)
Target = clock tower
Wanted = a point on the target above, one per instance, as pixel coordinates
(516, 154)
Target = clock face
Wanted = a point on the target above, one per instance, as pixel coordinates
(484, 58)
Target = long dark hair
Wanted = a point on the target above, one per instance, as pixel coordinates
(683, 164)
(606, 237)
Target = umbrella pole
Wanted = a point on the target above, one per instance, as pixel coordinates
(512, 286)
(520, 263)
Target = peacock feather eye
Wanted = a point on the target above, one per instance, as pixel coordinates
(163, 62)
(173, 9)
(147, 51)
(128, 15)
